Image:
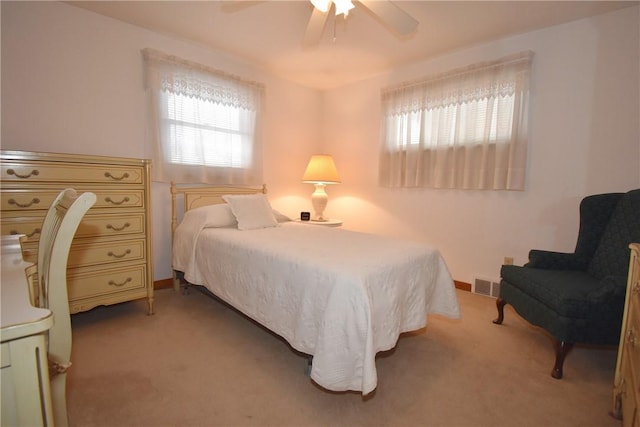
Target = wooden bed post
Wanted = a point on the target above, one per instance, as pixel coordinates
(174, 224)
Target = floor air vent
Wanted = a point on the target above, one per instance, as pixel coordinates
(486, 287)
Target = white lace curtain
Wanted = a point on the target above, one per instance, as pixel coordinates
(463, 129)
(203, 124)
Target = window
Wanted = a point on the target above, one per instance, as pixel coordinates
(435, 127)
(204, 123)
(205, 133)
(464, 129)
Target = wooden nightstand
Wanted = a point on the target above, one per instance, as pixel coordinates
(327, 223)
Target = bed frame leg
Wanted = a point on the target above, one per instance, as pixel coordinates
(307, 369)
(179, 283)
(185, 288)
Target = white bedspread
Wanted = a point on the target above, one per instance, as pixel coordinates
(338, 295)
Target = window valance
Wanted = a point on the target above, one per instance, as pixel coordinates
(174, 75)
(497, 78)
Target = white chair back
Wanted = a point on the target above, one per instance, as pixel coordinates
(58, 229)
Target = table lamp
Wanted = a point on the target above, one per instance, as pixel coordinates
(320, 171)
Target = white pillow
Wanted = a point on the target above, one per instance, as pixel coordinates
(251, 211)
(192, 223)
(280, 217)
(212, 216)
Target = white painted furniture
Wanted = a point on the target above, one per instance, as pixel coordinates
(26, 393)
(50, 279)
(626, 395)
(110, 259)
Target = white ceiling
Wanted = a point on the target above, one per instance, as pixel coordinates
(270, 33)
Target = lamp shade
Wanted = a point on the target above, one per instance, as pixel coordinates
(321, 169)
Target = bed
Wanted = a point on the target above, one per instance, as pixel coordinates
(337, 295)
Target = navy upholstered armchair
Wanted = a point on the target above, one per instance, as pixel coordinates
(578, 297)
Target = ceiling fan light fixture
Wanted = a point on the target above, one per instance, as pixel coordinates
(321, 5)
(390, 14)
(343, 6)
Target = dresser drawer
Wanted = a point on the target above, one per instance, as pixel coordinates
(91, 226)
(632, 342)
(27, 200)
(629, 405)
(91, 282)
(111, 225)
(29, 226)
(634, 298)
(106, 252)
(59, 173)
(129, 198)
(13, 201)
(94, 253)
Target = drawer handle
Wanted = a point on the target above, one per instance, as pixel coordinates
(127, 252)
(632, 338)
(110, 200)
(33, 201)
(112, 283)
(36, 231)
(123, 176)
(111, 227)
(34, 172)
(623, 388)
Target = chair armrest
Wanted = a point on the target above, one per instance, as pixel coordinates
(550, 260)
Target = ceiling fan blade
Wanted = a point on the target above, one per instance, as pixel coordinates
(229, 6)
(316, 26)
(392, 15)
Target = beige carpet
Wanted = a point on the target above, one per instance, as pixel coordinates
(198, 363)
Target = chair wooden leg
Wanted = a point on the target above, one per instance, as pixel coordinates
(500, 303)
(59, 399)
(562, 349)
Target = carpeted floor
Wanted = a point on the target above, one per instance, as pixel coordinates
(197, 362)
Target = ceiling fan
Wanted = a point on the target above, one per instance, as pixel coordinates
(387, 12)
(390, 14)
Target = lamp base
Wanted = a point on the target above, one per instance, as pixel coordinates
(319, 200)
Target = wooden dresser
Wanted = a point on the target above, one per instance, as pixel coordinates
(626, 394)
(110, 259)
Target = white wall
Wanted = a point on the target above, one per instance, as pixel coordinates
(584, 139)
(72, 82)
